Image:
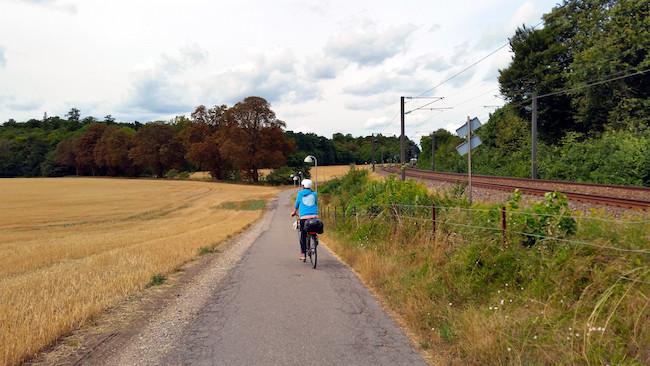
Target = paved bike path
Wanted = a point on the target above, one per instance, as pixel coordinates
(273, 309)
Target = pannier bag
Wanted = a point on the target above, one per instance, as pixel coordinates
(314, 226)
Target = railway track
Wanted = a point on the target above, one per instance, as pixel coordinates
(637, 197)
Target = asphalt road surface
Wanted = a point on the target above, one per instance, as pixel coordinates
(273, 309)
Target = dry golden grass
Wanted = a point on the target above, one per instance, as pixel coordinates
(201, 176)
(70, 248)
(325, 173)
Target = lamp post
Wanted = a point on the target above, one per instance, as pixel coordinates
(312, 159)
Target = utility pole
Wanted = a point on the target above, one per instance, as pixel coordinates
(533, 137)
(402, 140)
(402, 143)
(469, 160)
(433, 151)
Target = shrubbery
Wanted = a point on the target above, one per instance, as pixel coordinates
(564, 288)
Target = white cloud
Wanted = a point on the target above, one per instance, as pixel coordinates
(367, 46)
(3, 58)
(375, 123)
(369, 103)
(434, 28)
(159, 89)
(387, 82)
(322, 67)
(64, 6)
(273, 77)
(525, 14)
(327, 66)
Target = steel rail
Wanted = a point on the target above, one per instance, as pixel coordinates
(483, 182)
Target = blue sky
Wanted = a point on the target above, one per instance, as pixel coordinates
(326, 66)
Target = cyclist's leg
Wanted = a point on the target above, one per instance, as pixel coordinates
(303, 237)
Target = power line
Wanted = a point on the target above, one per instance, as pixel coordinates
(425, 105)
(592, 84)
(473, 64)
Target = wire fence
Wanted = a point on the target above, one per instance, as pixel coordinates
(505, 224)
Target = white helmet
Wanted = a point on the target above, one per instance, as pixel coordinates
(306, 183)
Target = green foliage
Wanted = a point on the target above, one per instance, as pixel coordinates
(447, 159)
(157, 280)
(345, 149)
(280, 176)
(248, 205)
(617, 157)
(205, 250)
(346, 187)
(484, 301)
(172, 174)
(548, 218)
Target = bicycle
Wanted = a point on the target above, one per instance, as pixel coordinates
(313, 227)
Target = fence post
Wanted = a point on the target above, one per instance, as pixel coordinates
(433, 220)
(504, 225)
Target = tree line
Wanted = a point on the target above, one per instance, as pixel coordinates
(232, 143)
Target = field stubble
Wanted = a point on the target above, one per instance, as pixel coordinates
(71, 248)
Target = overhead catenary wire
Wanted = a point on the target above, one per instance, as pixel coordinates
(425, 105)
(568, 90)
(472, 65)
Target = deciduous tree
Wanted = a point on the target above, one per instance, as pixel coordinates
(256, 139)
(157, 148)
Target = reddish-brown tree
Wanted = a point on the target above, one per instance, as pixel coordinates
(85, 148)
(65, 154)
(112, 151)
(203, 138)
(157, 148)
(256, 139)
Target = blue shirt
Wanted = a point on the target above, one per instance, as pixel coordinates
(307, 203)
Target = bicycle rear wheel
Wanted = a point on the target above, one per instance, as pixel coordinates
(313, 252)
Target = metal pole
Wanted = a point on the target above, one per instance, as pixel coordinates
(433, 152)
(402, 142)
(316, 173)
(469, 160)
(533, 137)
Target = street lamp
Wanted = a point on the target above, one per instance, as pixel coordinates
(312, 159)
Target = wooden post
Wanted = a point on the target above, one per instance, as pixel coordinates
(433, 220)
(504, 225)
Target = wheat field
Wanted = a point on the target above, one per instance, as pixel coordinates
(324, 173)
(71, 247)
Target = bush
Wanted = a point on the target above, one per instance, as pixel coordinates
(280, 176)
(480, 300)
(157, 280)
(548, 218)
(171, 174)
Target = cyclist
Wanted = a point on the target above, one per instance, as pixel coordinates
(307, 208)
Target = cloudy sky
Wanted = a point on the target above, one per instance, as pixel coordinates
(326, 66)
